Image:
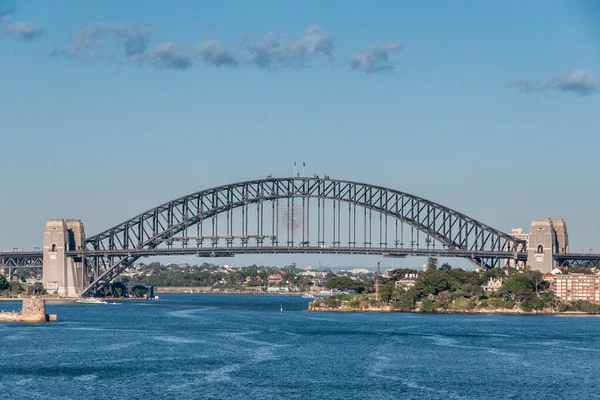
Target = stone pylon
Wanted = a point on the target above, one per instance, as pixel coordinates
(61, 274)
(547, 238)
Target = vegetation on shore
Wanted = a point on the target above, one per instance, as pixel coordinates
(16, 289)
(447, 289)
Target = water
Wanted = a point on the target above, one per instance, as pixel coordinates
(244, 347)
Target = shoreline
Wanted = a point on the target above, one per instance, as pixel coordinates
(459, 312)
(209, 290)
(312, 307)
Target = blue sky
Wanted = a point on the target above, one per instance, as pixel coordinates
(108, 108)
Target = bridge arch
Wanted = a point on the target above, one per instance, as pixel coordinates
(120, 246)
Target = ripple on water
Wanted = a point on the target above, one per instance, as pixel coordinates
(183, 346)
(177, 340)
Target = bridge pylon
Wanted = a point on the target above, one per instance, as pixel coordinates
(548, 237)
(63, 275)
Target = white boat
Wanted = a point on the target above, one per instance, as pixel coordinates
(308, 296)
(91, 301)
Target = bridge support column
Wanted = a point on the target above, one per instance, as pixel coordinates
(547, 238)
(63, 275)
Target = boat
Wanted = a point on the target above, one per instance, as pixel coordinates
(91, 301)
(308, 296)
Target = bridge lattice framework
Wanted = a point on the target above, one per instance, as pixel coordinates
(320, 215)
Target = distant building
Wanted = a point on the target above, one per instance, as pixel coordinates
(517, 233)
(276, 289)
(274, 279)
(359, 271)
(493, 285)
(407, 281)
(573, 287)
(548, 277)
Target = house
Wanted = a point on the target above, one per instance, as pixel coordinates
(548, 277)
(407, 281)
(274, 279)
(493, 285)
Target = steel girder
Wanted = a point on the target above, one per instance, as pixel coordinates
(21, 259)
(150, 229)
(577, 259)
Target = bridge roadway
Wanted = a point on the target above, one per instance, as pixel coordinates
(232, 251)
(34, 259)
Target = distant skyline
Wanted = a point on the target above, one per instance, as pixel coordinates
(110, 108)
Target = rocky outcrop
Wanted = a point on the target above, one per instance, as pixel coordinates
(346, 306)
(33, 311)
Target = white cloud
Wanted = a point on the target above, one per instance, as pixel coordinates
(213, 54)
(91, 41)
(579, 81)
(286, 51)
(24, 31)
(169, 55)
(374, 59)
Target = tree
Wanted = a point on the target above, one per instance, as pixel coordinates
(385, 291)
(431, 282)
(3, 283)
(445, 267)
(432, 263)
(344, 283)
(407, 300)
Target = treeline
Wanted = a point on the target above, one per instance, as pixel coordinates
(211, 275)
(445, 289)
(13, 289)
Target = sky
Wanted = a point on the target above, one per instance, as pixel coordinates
(109, 108)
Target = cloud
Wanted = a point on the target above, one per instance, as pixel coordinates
(169, 55)
(133, 41)
(525, 86)
(578, 81)
(5, 12)
(374, 59)
(24, 31)
(286, 51)
(213, 54)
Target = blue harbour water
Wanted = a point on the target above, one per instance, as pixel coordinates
(244, 347)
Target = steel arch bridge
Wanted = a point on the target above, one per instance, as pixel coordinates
(295, 215)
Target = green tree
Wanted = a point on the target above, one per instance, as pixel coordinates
(432, 263)
(385, 291)
(344, 283)
(407, 300)
(431, 282)
(445, 267)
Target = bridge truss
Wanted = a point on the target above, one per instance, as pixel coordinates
(296, 215)
(21, 259)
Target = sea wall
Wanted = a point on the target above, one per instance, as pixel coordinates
(365, 307)
(33, 311)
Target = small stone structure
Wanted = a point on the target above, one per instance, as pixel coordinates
(33, 311)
